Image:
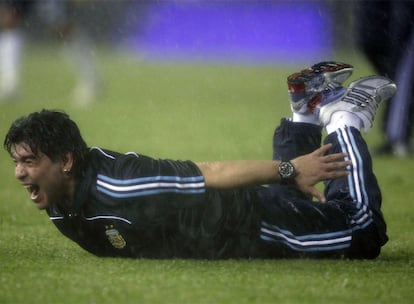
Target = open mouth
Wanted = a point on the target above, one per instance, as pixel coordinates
(33, 190)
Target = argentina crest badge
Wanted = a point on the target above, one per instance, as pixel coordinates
(114, 237)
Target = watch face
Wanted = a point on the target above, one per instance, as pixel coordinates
(286, 170)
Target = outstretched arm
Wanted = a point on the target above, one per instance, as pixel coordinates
(311, 168)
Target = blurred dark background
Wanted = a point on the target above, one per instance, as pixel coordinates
(237, 30)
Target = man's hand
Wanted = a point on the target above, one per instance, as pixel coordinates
(316, 167)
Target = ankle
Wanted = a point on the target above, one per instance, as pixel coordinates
(342, 119)
(306, 118)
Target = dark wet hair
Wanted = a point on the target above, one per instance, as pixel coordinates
(50, 132)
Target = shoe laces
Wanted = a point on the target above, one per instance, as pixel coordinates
(362, 100)
(331, 86)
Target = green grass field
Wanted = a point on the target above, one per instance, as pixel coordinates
(185, 111)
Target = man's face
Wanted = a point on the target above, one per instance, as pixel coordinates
(44, 179)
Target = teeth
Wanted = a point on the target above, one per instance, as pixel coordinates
(31, 188)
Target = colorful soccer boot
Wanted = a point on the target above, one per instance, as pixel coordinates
(305, 87)
(361, 98)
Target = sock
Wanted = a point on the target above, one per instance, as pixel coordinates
(342, 119)
(308, 118)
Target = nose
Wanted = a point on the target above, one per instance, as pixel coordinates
(20, 171)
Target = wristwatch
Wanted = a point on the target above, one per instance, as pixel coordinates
(286, 171)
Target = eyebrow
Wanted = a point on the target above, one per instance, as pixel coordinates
(23, 157)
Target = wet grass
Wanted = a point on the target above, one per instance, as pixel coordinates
(184, 111)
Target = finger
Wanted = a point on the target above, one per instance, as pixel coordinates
(340, 165)
(337, 174)
(323, 149)
(335, 157)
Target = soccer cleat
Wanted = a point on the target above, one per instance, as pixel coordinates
(305, 86)
(361, 98)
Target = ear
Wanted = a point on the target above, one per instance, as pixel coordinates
(67, 161)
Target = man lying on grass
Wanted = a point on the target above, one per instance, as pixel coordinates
(131, 205)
